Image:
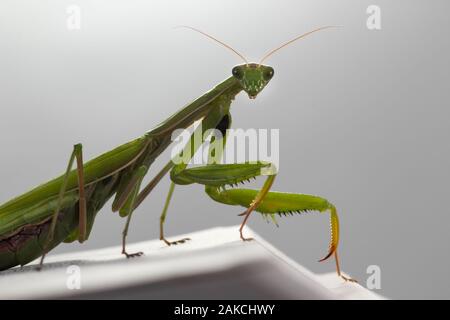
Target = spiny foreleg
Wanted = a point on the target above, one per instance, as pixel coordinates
(284, 204)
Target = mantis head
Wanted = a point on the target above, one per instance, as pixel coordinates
(253, 77)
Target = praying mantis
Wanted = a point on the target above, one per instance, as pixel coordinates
(64, 209)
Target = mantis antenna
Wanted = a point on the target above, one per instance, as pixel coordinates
(293, 40)
(216, 40)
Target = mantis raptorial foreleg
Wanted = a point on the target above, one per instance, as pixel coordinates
(220, 175)
(255, 203)
(282, 204)
(77, 154)
(216, 177)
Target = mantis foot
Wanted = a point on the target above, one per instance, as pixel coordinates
(246, 239)
(133, 255)
(348, 279)
(169, 243)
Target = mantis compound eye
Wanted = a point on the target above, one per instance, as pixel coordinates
(237, 73)
(268, 74)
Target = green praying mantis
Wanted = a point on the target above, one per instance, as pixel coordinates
(64, 209)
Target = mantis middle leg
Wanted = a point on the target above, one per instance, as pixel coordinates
(125, 203)
(209, 121)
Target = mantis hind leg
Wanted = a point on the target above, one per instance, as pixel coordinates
(77, 154)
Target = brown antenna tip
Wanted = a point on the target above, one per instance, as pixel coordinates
(293, 40)
(216, 40)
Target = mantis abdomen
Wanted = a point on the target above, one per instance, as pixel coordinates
(27, 242)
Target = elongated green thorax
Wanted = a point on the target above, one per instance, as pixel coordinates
(220, 95)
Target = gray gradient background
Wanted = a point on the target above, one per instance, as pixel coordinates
(363, 116)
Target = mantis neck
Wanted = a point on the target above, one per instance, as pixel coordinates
(231, 89)
(220, 96)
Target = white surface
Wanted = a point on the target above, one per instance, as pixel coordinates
(214, 264)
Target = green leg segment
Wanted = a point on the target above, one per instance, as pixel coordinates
(162, 219)
(126, 207)
(210, 121)
(216, 177)
(77, 154)
(272, 204)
